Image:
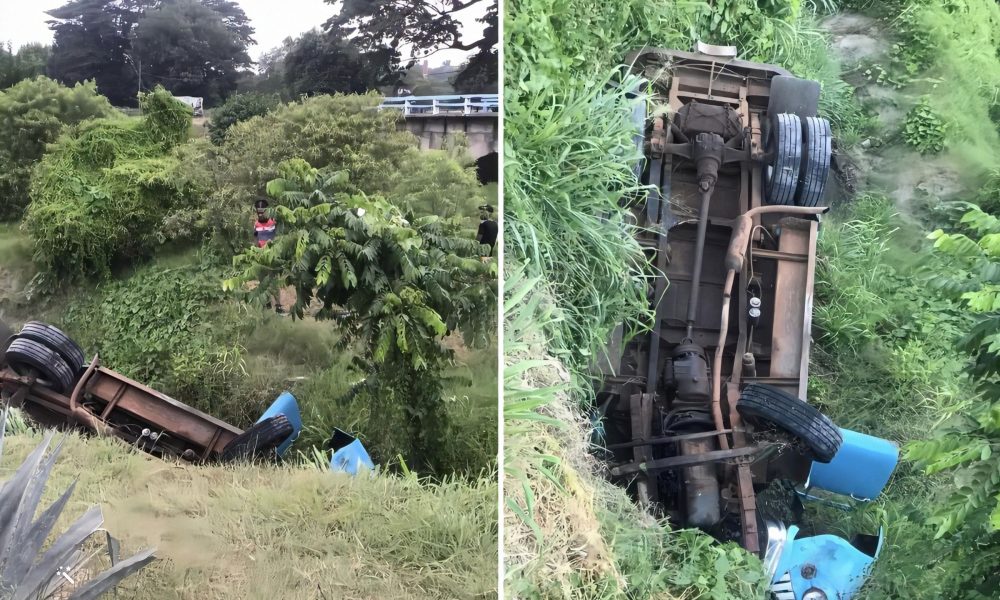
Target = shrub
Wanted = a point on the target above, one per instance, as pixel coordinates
(924, 129)
(99, 196)
(236, 109)
(161, 327)
(403, 285)
(33, 113)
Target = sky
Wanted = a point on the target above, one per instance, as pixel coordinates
(24, 21)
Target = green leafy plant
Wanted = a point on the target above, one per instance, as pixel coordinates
(397, 287)
(33, 114)
(237, 108)
(100, 194)
(924, 129)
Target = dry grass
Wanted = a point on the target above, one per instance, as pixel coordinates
(293, 532)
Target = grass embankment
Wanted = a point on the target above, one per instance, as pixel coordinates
(262, 533)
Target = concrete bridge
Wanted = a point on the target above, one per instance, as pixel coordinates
(433, 118)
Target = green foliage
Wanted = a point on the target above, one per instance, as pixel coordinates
(434, 183)
(236, 109)
(158, 327)
(27, 63)
(426, 26)
(967, 512)
(924, 128)
(100, 193)
(330, 62)
(403, 285)
(342, 132)
(33, 114)
(198, 47)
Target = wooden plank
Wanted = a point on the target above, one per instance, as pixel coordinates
(789, 300)
(807, 311)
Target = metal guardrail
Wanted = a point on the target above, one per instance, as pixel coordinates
(465, 105)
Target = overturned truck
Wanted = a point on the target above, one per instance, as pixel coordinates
(709, 408)
(44, 373)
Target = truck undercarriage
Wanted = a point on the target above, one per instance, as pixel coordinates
(709, 407)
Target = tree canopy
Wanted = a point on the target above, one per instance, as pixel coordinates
(328, 63)
(426, 26)
(189, 48)
(99, 40)
(28, 62)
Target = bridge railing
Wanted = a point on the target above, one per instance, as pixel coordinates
(466, 105)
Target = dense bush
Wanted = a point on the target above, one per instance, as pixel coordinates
(100, 194)
(32, 115)
(341, 132)
(237, 108)
(158, 327)
(433, 183)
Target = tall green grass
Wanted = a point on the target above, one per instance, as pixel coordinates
(260, 533)
(885, 363)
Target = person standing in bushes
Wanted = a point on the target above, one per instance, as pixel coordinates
(264, 229)
(488, 228)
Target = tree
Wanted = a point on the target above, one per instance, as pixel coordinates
(27, 63)
(93, 39)
(328, 63)
(187, 46)
(404, 285)
(424, 25)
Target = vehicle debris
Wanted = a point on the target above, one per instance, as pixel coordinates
(709, 407)
(42, 371)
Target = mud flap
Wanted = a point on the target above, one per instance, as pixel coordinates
(288, 406)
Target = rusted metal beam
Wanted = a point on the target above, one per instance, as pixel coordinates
(675, 462)
(778, 255)
(161, 411)
(666, 439)
(790, 300)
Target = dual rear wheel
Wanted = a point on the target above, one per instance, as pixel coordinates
(799, 142)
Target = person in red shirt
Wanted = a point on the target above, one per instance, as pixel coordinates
(264, 227)
(263, 232)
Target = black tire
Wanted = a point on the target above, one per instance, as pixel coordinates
(794, 96)
(760, 403)
(26, 356)
(56, 340)
(5, 334)
(781, 177)
(259, 441)
(817, 145)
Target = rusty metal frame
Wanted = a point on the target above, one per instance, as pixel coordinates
(745, 87)
(125, 401)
